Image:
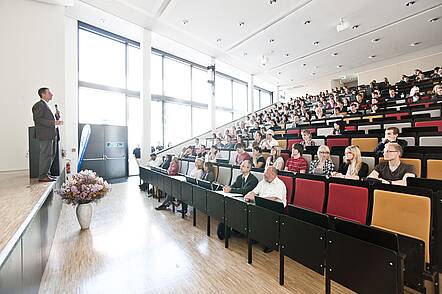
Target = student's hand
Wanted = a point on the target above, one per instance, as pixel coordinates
(249, 197)
(227, 189)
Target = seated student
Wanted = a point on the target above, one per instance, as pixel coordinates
(208, 173)
(166, 162)
(269, 141)
(338, 128)
(271, 187)
(392, 170)
(391, 136)
(257, 141)
(353, 108)
(437, 92)
(353, 167)
(392, 95)
(201, 151)
(218, 143)
(243, 184)
(241, 154)
(322, 166)
(275, 159)
(296, 163)
(154, 160)
(171, 171)
(213, 154)
(257, 159)
(306, 139)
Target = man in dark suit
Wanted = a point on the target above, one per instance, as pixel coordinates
(45, 123)
(243, 184)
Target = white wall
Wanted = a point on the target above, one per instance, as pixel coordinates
(31, 56)
(392, 69)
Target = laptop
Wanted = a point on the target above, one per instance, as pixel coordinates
(275, 206)
(191, 180)
(210, 186)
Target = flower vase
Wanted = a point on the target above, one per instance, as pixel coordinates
(84, 215)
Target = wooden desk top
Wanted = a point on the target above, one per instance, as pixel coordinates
(20, 199)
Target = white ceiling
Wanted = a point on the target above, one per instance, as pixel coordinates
(395, 24)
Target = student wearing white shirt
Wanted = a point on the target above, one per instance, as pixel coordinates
(269, 141)
(271, 187)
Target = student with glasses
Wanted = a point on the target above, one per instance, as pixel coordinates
(392, 170)
(353, 167)
(322, 166)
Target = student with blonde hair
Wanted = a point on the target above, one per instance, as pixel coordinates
(353, 167)
(322, 166)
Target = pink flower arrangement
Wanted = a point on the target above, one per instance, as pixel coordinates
(83, 187)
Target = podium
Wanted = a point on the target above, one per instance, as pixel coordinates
(34, 155)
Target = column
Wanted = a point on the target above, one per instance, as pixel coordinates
(212, 101)
(145, 95)
(251, 98)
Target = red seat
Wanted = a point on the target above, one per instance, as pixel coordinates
(309, 194)
(425, 104)
(337, 142)
(288, 182)
(350, 128)
(430, 123)
(348, 202)
(291, 142)
(397, 115)
(294, 131)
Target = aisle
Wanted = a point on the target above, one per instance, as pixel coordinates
(132, 248)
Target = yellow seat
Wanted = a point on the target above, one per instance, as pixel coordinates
(365, 144)
(405, 214)
(280, 132)
(372, 117)
(415, 162)
(265, 155)
(282, 144)
(434, 169)
(348, 119)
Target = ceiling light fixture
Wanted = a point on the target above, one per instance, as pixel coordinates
(307, 22)
(313, 73)
(414, 44)
(279, 73)
(410, 3)
(245, 53)
(292, 80)
(241, 23)
(334, 54)
(218, 40)
(287, 54)
(316, 43)
(304, 64)
(264, 59)
(355, 27)
(272, 41)
(316, 67)
(433, 19)
(339, 66)
(185, 21)
(372, 56)
(272, 1)
(376, 40)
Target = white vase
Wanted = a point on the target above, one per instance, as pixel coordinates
(84, 215)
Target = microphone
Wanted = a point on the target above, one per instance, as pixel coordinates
(57, 112)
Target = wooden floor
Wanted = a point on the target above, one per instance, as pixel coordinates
(132, 248)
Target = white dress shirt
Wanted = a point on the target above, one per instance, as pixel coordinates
(276, 189)
(266, 144)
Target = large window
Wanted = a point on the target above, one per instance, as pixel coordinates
(176, 79)
(156, 120)
(176, 123)
(200, 121)
(223, 92)
(200, 87)
(156, 74)
(262, 98)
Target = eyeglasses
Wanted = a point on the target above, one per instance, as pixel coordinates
(390, 151)
(324, 152)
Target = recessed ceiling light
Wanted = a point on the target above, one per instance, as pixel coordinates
(433, 19)
(414, 44)
(279, 73)
(307, 22)
(355, 27)
(339, 66)
(316, 67)
(334, 54)
(218, 40)
(241, 23)
(272, 1)
(272, 41)
(372, 56)
(410, 3)
(287, 54)
(316, 43)
(245, 53)
(313, 73)
(185, 21)
(376, 40)
(291, 80)
(304, 64)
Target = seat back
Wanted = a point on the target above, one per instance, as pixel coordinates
(285, 156)
(258, 175)
(411, 141)
(309, 194)
(372, 117)
(291, 142)
(324, 131)
(190, 168)
(365, 144)
(405, 214)
(215, 171)
(235, 173)
(265, 155)
(398, 125)
(288, 182)
(224, 154)
(307, 157)
(348, 202)
(279, 132)
(370, 161)
(397, 115)
(332, 142)
(437, 123)
(282, 144)
(224, 175)
(434, 169)
(294, 131)
(319, 142)
(431, 112)
(430, 141)
(369, 127)
(184, 164)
